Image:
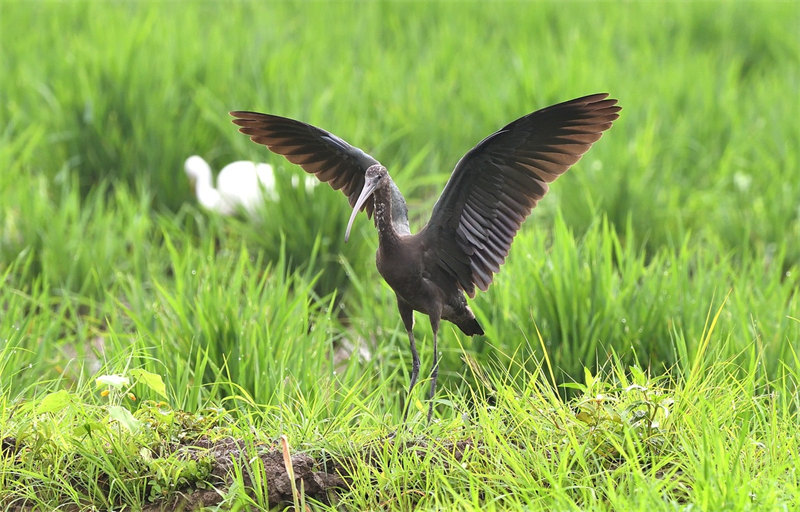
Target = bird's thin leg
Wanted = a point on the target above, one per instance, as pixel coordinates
(407, 314)
(435, 367)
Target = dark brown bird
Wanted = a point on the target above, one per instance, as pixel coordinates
(490, 192)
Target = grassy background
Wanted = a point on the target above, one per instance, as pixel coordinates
(689, 205)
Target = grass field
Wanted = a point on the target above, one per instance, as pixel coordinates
(641, 347)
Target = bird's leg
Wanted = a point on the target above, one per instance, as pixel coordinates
(407, 314)
(435, 367)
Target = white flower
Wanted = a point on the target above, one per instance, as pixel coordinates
(112, 381)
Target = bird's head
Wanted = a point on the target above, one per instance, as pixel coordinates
(197, 170)
(373, 178)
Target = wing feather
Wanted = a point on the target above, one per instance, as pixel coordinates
(495, 186)
(318, 152)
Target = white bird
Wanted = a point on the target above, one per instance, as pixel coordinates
(240, 185)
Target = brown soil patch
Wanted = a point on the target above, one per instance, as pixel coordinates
(321, 477)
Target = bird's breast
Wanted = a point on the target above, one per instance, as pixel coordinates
(400, 271)
(403, 269)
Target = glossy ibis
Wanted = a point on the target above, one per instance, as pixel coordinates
(490, 192)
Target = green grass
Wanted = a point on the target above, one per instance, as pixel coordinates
(642, 339)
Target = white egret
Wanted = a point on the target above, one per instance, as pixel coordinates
(240, 185)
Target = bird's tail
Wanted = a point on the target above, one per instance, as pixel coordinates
(463, 317)
(470, 326)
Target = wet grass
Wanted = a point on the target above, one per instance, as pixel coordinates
(641, 341)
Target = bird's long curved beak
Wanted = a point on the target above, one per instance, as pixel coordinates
(366, 192)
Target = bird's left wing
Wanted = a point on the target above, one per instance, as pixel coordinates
(495, 185)
(317, 151)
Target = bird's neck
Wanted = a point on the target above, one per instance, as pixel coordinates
(211, 199)
(202, 183)
(387, 235)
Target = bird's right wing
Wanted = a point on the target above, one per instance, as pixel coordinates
(495, 185)
(318, 152)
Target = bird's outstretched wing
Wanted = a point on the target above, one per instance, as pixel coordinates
(318, 152)
(495, 185)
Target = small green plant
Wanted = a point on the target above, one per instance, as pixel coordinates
(614, 410)
(107, 446)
